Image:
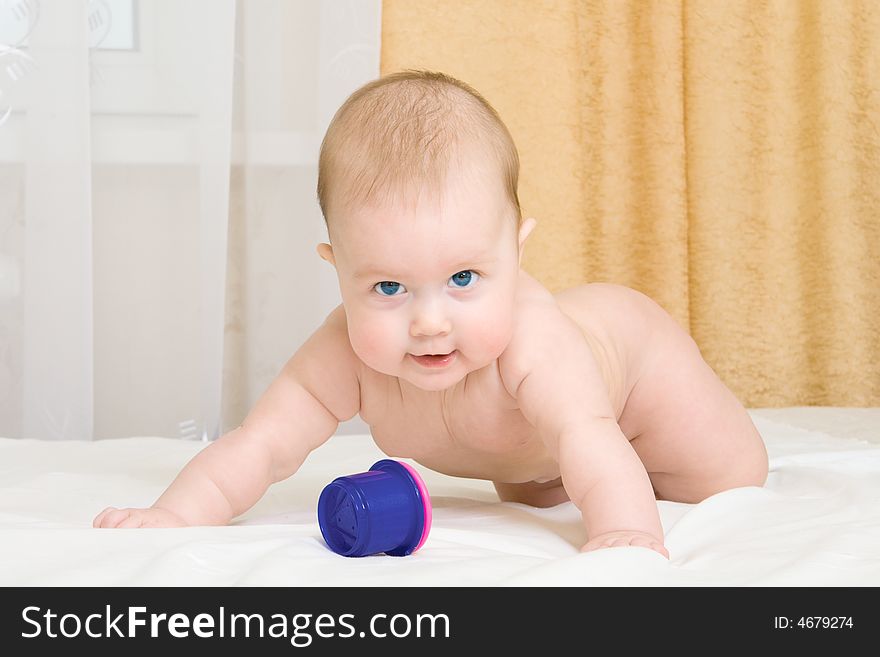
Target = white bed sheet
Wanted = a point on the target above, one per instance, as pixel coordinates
(816, 522)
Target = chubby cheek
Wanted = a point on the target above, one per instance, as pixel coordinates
(488, 333)
(375, 343)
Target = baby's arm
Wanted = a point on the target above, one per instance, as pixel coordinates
(301, 409)
(550, 370)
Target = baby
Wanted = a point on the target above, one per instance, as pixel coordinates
(459, 359)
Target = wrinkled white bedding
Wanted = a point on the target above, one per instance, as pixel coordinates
(816, 522)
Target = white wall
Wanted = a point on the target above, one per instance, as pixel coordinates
(151, 186)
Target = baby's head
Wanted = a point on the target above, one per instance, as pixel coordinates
(417, 181)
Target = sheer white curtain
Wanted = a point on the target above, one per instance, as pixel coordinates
(158, 220)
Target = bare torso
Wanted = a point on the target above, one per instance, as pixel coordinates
(475, 428)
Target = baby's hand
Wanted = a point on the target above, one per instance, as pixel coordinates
(624, 538)
(132, 518)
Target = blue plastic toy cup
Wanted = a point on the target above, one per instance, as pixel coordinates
(386, 509)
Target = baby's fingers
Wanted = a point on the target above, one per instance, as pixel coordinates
(111, 518)
(644, 541)
(99, 519)
(603, 543)
(134, 520)
(625, 539)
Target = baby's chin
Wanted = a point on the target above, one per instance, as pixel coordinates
(437, 381)
(430, 381)
(433, 384)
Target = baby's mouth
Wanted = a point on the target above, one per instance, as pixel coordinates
(434, 360)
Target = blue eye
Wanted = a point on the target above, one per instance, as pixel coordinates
(463, 278)
(387, 286)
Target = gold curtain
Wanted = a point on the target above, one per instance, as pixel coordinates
(723, 157)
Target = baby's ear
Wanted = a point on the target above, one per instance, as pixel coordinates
(527, 226)
(326, 252)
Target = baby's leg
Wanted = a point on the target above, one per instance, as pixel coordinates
(696, 437)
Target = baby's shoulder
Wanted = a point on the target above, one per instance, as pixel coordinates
(541, 330)
(327, 366)
(535, 309)
(612, 319)
(591, 306)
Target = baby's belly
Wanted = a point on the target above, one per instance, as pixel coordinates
(478, 435)
(511, 454)
(521, 463)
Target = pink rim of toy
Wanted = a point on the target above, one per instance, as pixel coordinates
(426, 503)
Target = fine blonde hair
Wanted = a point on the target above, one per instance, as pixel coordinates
(400, 133)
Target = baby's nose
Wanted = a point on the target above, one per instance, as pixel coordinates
(430, 321)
